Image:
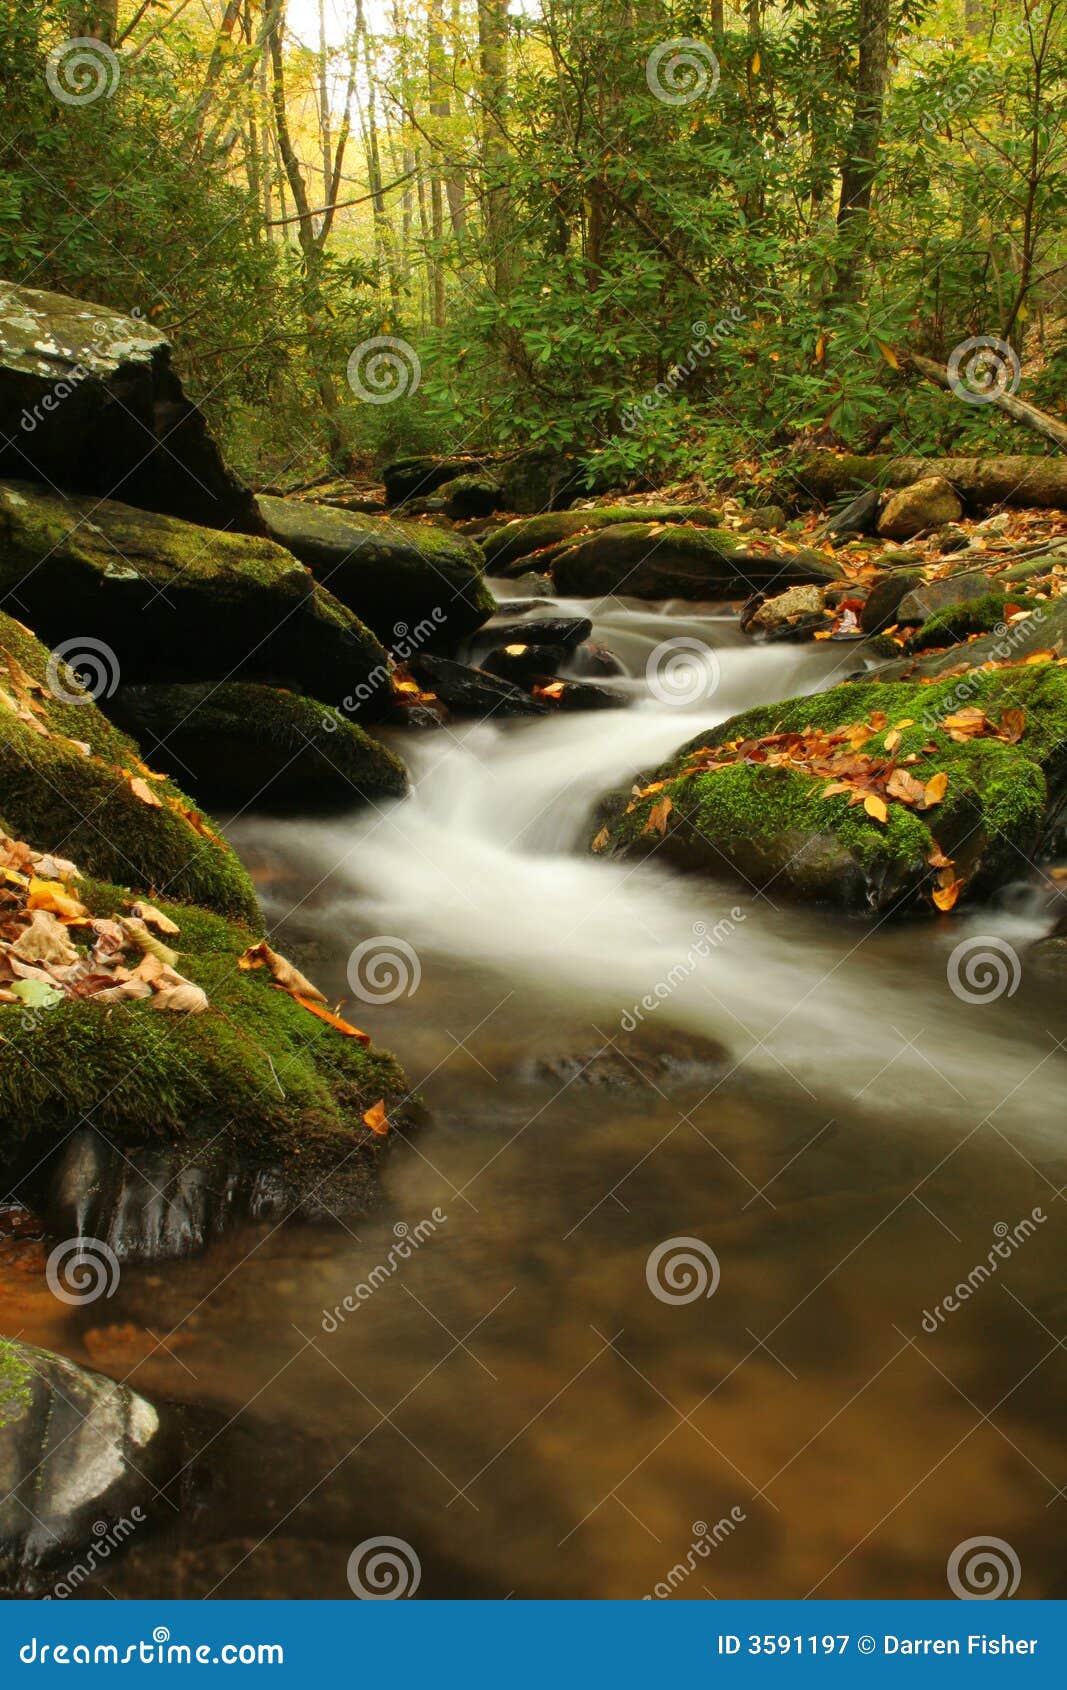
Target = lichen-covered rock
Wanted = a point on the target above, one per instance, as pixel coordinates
(1003, 806)
(89, 400)
(1044, 630)
(83, 1463)
(241, 743)
(646, 560)
(169, 600)
(72, 782)
(789, 612)
(411, 582)
(928, 597)
(925, 504)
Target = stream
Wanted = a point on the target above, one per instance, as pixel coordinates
(614, 1057)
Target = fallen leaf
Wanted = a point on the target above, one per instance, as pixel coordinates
(375, 1118)
(936, 787)
(141, 789)
(601, 839)
(657, 816)
(53, 895)
(155, 918)
(1012, 726)
(282, 972)
(315, 1007)
(945, 897)
(875, 808)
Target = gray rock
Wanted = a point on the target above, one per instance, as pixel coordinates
(89, 400)
(82, 1463)
(883, 601)
(926, 600)
(647, 561)
(925, 504)
(859, 516)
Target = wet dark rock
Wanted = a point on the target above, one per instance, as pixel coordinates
(470, 496)
(168, 600)
(468, 691)
(883, 601)
(416, 478)
(536, 480)
(859, 516)
(595, 662)
(564, 631)
(506, 546)
(238, 743)
(646, 561)
(525, 663)
(89, 400)
(640, 1055)
(83, 1463)
(1045, 630)
(408, 581)
(583, 695)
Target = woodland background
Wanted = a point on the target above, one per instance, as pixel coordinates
(273, 182)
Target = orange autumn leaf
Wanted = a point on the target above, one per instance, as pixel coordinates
(52, 895)
(141, 789)
(945, 897)
(376, 1119)
(601, 839)
(328, 1016)
(1012, 726)
(875, 808)
(657, 817)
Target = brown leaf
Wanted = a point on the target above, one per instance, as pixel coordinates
(1012, 726)
(657, 816)
(155, 918)
(905, 787)
(282, 972)
(601, 839)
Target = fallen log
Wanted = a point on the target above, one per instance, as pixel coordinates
(982, 483)
(1020, 410)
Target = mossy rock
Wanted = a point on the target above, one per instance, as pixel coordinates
(646, 560)
(1044, 630)
(57, 797)
(970, 616)
(1003, 807)
(255, 1071)
(506, 545)
(89, 400)
(416, 585)
(241, 743)
(172, 601)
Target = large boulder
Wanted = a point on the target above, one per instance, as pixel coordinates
(827, 797)
(71, 781)
(84, 1465)
(649, 561)
(926, 598)
(410, 582)
(535, 480)
(927, 503)
(239, 743)
(1045, 630)
(147, 597)
(506, 545)
(89, 400)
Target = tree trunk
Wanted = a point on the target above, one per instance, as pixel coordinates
(493, 59)
(859, 165)
(980, 482)
(1020, 410)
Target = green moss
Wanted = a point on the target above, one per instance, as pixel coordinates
(248, 743)
(773, 823)
(532, 534)
(56, 797)
(16, 1391)
(256, 1068)
(968, 616)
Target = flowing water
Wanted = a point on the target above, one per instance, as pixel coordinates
(615, 1057)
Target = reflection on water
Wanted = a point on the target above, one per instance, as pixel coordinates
(806, 1098)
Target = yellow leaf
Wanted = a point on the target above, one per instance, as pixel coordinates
(282, 972)
(755, 62)
(892, 739)
(936, 787)
(888, 354)
(53, 895)
(875, 808)
(601, 839)
(141, 789)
